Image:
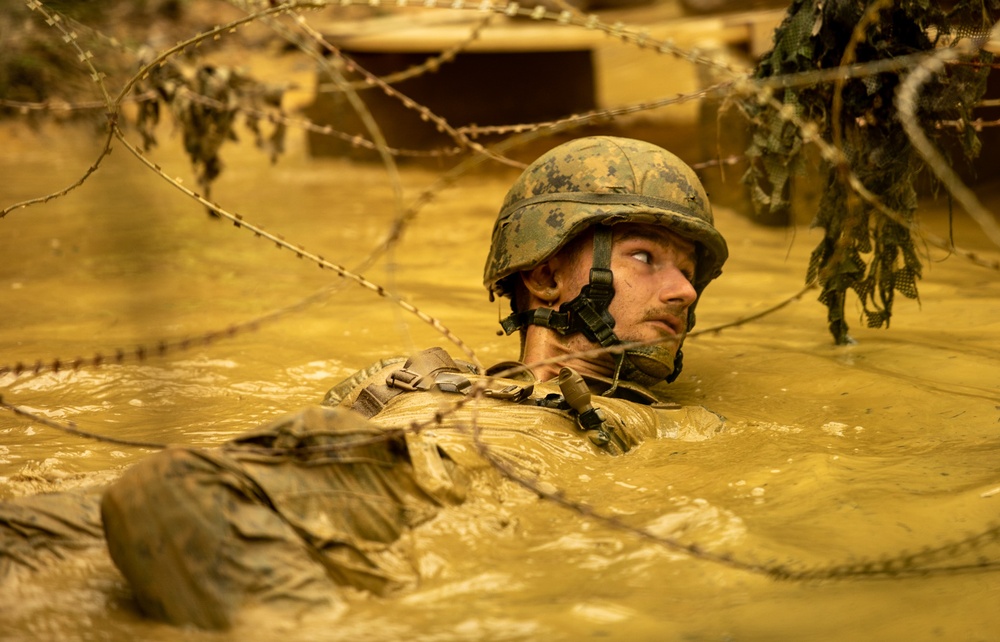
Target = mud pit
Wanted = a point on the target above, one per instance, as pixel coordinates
(832, 454)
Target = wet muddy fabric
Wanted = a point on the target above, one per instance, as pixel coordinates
(289, 512)
(36, 530)
(525, 432)
(283, 514)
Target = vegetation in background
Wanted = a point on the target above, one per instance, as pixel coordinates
(862, 250)
(36, 67)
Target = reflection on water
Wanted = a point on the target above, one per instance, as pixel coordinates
(832, 454)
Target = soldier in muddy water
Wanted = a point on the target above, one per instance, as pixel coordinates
(604, 246)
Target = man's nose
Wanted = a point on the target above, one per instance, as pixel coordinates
(677, 289)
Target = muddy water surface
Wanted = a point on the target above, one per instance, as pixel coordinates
(832, 454)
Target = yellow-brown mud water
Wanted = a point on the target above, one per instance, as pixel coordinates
(832, 454)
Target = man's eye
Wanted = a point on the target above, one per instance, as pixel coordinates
(643, 256)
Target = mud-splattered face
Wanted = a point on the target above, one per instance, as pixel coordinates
(653, 272)
(600, 180)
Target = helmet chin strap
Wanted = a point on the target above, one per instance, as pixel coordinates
(588, 313)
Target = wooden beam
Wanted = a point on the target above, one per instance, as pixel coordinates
(438, 30)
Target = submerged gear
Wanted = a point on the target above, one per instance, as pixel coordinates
(513, 405)
(600, 181)
(286, 513)
(577, 395)
(434, 369)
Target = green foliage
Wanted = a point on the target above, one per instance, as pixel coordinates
(205, 101)
(862, 249)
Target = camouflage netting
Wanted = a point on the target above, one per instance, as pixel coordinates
(205, 100)
(862, 249)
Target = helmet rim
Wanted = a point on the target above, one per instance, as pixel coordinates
(711, 247)
(602, 180)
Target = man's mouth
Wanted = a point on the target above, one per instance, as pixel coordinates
(672, 324)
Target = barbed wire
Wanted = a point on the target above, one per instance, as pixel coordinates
(761, 90)
(809, 132)
(929, 561)
(921, 67)
(907, 103)
(431, 65)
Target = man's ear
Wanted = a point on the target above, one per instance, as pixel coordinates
(540, 281)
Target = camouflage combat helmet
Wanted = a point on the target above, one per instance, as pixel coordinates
(600, 181)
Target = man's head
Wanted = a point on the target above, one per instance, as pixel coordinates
(570, 241)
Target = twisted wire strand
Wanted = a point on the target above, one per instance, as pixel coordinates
(301, 252)
(890, 567)
(71, 428)
(55, 364)
(425, 113)
(929, 561)
(809, 131)
(431, 65)
(85, 57)
(610, 113)
(906, 101)
(476, 392)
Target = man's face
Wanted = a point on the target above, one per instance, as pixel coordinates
(653, 270)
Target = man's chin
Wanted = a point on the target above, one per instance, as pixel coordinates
(650, 365)
(661, 340)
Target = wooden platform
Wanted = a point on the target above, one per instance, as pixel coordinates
(435, 31)
(517, 70)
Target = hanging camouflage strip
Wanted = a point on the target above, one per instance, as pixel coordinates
(205, 101)
(862, 250)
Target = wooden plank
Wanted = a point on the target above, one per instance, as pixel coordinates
(438, 30)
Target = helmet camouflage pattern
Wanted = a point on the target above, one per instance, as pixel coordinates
(600, 180)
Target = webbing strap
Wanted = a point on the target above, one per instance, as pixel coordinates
(602, 250)
(431, 369)
(546, 317)
(588, 311)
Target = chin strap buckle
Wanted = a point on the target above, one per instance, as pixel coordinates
(588, 311)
